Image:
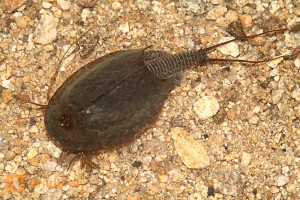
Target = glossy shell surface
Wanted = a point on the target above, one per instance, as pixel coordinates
(106, 103)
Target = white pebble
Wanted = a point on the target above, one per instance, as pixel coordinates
(281, 180)
(116, 5)
(276, 96)
(85, 13)
(246, 158)
(231, 49)
(46, 4)
(45, 32)
(5, 84)
(295, 94)
(124, 27)
(206, 107)
(65, 5)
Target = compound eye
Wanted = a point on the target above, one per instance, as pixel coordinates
(66, 121)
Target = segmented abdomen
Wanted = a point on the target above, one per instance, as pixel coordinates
(167, 66)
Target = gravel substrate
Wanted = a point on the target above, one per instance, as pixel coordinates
(227, 131)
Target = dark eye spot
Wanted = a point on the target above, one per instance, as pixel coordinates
(66, 121)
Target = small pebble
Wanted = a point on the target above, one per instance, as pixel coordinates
(9, 155)
(231, 114)
(281, 180)
(142, 4)
(231, 49)
(254, 119)
(9, 6)
(176, 175)
(276, 96)
(297, 10)
(64, 4)
(45, 32)
(46, 4)
(191, 151)
(162, 178)
(216, 12)
(274, 7)
(49, 166)
(124, 27)
(246, 20)
(85, 13)
(52, 193)
(187, 43)
(116, 5)
(94, 179)
(246, 158)
(11, 167)
(206, 107)
(5, 84)
(6, 96)
(31, 154)
(297, 62)
(21, 22)
(231, 16)
(274, 63)
(34, 129)
(53, 149)
(274, 189)
(295, 94)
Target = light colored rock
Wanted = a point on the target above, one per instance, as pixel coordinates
(246, 158)
(9, 6)
(231, 49)
(85, 13)
(176, 175)
(281, 180)
(162, 178)
(142, 4)
(11, 167)
(124, 27)
(31, 154)
(297, 63)
(296, 94)
(216, 12)
(227, 181)
(254, 119)
(116, 6)
(187, 42)
(274, 189)
(276, 96)
(53, 150)
(246, 20)
(45, 32)
(5, 84)
(274, 63)
(64, 4)
(49, 166)
(191, 151)
(231, 15)
(52, 193)
(46, 4)
(9, 155)
(34, 129)
(275, 6)
(206, 107)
